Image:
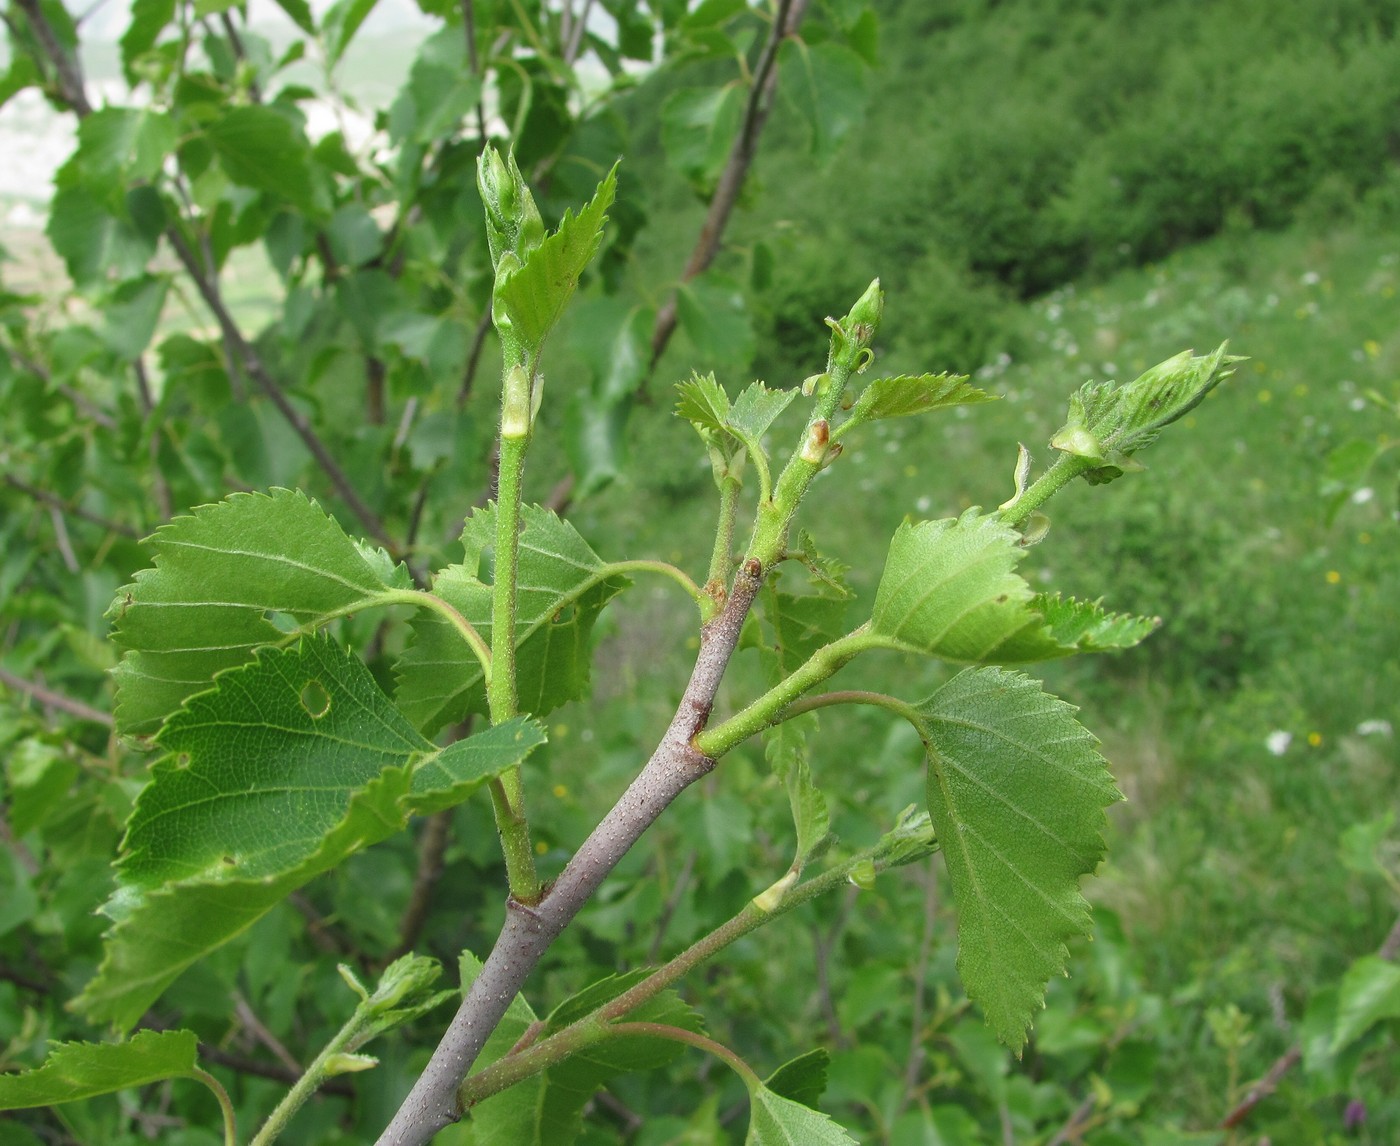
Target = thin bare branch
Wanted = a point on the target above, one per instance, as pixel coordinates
(736, 169)
(51, 699)
(573, 36)
(253, 364)
(255, 1026)
(68, 69)
(47, 497)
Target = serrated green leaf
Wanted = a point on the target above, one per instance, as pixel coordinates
(449, 776)
(21, 74)
(75, 1071)
(441, 88)
(98, 239)
(130, 315)
(148, 19)
(1017, 792)
(535, 295)
(1360, 845)
(778, 1121)
(300, 13)
(219, 578)
(117, 145)
(258, 147)
(705, 405)
(803, 1079)
(1369, 994)
(1065, 626)
(949, 588)
(287, 766)
(906, 395)
(755, 410)
(563, 586)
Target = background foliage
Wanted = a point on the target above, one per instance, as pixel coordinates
(1050, 192)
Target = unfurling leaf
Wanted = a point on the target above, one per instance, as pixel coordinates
(905, 395)
(222, 578)
(563, 587)
(286, 767)
(803, 1079)
(534, 295)
(1109, 423)
(75, 1071)
(1017, 792)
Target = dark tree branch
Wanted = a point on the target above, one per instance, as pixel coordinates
(1390, 950)
(236, 42)
(51, 699)
(253, 365)
(437, 831)
(736, 169)
(528, 932)
(49, 498)
(1264, 1087)
(66, 65)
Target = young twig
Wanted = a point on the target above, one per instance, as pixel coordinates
(736, 170)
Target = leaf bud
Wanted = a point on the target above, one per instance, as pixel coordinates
(768, 901)
(862, 875)
(406, 976)
(513, 222)
(342, 1063)
(1108, 423)
(516, 402)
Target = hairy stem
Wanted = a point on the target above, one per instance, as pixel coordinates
(508, 791)
(1063, 470)
(225, 1105)
(768, 708)
(600, 1024)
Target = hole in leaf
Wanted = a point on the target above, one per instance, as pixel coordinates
(182, 760)
(315, 699)
(282, 622)
(564, 615)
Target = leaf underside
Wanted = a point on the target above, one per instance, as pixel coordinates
(1017, 792)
